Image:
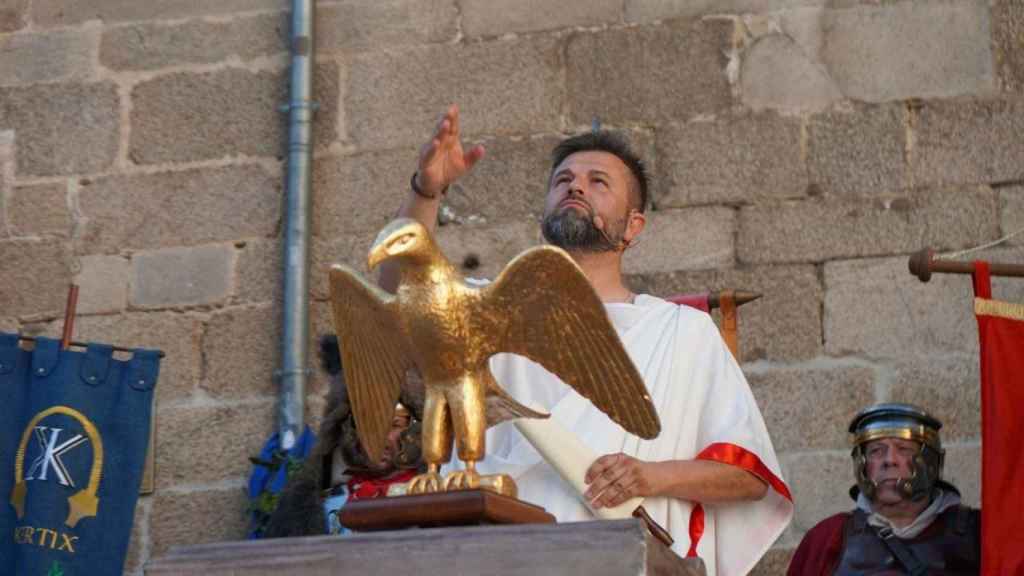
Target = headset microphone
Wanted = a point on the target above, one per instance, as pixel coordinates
(598, 222)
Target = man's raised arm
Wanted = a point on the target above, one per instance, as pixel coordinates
(442, 162)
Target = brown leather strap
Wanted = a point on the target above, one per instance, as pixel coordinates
(900, 550)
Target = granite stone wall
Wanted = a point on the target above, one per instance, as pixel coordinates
(800, 148)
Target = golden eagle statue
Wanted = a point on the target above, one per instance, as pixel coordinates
(541, 306)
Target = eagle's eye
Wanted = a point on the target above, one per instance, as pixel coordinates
(402, 241)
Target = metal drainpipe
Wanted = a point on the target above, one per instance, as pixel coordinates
(295, 329)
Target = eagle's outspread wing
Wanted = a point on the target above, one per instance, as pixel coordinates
(544, 308)
(373, 354)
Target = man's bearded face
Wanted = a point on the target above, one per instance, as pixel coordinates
(584, 187)
(573, 230)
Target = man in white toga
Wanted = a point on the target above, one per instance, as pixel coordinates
(711, 478)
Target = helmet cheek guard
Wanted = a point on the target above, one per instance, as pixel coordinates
(926, 470)
(860, 472)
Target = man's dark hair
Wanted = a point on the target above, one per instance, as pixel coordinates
(612, 143)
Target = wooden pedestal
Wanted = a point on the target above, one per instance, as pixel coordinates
(458, 508)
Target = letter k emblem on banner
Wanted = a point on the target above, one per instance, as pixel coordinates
(51, 453)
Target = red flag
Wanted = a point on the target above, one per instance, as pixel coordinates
(1001, 333)
(698, 301)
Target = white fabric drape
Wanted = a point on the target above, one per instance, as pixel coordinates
(702, 400)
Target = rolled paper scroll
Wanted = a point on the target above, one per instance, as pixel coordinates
(571, 458)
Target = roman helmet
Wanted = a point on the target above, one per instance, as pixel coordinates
(906, 421)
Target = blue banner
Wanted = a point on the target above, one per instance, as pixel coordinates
(74, 427)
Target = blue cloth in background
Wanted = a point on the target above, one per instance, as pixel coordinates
(332, 505)
(270, 473)
(74, 429)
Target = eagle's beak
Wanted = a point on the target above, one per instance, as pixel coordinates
(378, 254)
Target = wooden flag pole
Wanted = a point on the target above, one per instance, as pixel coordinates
(69, 325)
(923, 264)
(69, 316)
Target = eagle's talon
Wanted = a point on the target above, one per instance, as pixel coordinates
(425, 483)
(462, 480)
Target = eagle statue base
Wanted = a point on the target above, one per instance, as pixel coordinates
(502, 484)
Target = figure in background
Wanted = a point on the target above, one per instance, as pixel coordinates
(711, 478)
(338, 469)
(907, 520)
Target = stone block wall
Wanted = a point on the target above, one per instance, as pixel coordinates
(800, 148)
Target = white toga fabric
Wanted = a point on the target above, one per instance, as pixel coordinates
(704, 404)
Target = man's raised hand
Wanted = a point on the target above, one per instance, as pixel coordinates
(442, 159)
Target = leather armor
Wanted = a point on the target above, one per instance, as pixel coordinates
(950, 546)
